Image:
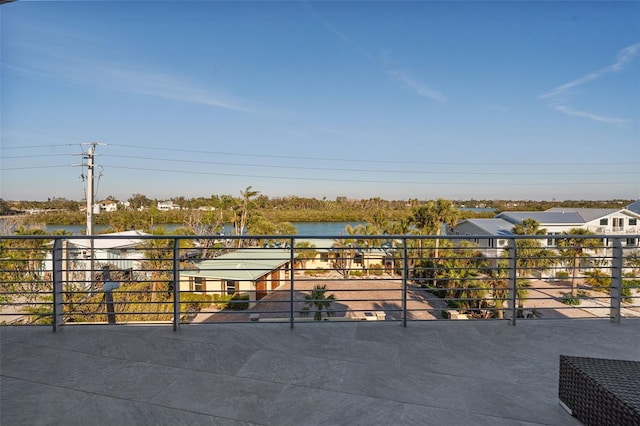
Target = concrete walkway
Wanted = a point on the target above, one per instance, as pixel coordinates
(361, 373)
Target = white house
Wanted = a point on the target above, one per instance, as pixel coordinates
(107, 206)
(122, 253)
(634, 207)
(167, 205)
(614, 222)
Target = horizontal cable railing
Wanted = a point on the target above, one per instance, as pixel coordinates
(64, 280)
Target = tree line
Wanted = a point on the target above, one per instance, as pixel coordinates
(142, 211)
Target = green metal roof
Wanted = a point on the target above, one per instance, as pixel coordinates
(241, 265)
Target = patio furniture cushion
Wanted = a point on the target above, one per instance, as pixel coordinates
(601, 391)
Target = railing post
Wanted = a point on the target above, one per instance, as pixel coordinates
(292, 259)
(58, 294)
(107, 287)
(405, 271)
(176, 284)
(616, 281)
(513, 281)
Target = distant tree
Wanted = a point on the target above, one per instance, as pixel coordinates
(573, 244)
(123, 220)
(499, 284)
(137, 201)
(345, 254)
(429, 219)
(305, 251)
(241, 211)
(5, 207)
(159, 264)
(379, 221)
(530, 253)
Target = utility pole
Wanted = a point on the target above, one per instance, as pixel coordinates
(90, 191)
(90, 194)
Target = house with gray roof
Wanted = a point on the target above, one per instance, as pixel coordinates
(634, 207)
(254, 271)
(614, 222)
(487, 233)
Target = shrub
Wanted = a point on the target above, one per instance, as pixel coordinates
(377, 270)
(568, 300)
(598, 279)
(221, 301)
(316, 272)
(627, 286)
(190, 302)
(562, 275)
(239, 302)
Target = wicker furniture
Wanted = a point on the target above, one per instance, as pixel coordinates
(601, 391)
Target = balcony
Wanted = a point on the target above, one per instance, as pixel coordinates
(378, 373)
(180, 280)
(200, 330)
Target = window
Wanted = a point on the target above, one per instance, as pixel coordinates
(604, 221)
(198, 284)
(618, 222)
(231, 286)
(633, 221)
(631, 242)
(551, 242)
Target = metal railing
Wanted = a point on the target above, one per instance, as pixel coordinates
(62, 280)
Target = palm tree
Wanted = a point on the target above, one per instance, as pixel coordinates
(305, 251)
(530, 253)
(379, 222)
(344, 256)
(429, 219)
(464, 289)
(499, 283)
(574, 246)
(158, 262)
(445, 214)
(241, 211)
(320, 302)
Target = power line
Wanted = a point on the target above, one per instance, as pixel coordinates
(357, 160)
(334, 169)
(36, 146)
(297, 178)
(3, 169)
(34, 156)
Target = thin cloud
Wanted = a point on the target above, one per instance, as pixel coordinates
(416, 86)
(595, 117)
(165, 86)
(401, 75)
(624, 56)
(112, 76)
(347, 40)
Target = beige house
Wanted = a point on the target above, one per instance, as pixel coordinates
(324, 256)
(254, 271)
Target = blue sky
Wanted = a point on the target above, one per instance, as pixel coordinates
(398, 100)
